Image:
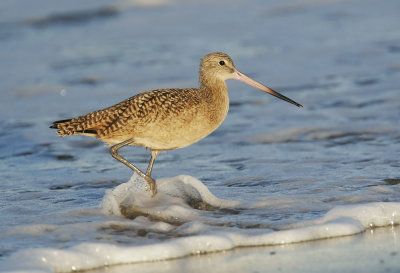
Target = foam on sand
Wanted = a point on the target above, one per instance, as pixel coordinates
(174, 208)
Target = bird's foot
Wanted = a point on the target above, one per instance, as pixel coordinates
(151, 186)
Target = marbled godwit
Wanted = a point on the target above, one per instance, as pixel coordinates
(165, 119)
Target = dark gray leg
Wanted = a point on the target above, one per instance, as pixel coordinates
(150, 181)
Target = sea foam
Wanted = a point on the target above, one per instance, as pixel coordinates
(176, 207)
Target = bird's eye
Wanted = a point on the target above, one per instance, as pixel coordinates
(221, 63)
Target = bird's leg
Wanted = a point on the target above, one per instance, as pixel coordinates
(154, 154)
(150, 181)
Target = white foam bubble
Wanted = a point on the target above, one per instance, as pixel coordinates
(369, 215)
(171, 204)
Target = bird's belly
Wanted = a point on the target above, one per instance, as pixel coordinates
(169, 136)
(174, 133)
(164, 144)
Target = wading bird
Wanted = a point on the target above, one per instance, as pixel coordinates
(165, 119)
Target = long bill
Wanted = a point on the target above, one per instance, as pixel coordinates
(243, 78)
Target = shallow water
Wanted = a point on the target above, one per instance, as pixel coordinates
(287, 166)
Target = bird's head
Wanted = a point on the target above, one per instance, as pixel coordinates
(216, 67)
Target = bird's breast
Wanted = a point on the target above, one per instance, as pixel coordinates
(196, 120)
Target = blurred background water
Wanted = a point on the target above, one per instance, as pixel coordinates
(340, 59)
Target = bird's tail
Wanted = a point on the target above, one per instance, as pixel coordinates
(95, 123)
(75, 126)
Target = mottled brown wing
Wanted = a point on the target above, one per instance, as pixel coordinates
(142, 108)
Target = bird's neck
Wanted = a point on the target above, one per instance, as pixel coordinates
(215, 91)
(215, 96)
(212, 84)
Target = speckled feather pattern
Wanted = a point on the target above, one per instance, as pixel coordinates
(142, 108)
(161, 119)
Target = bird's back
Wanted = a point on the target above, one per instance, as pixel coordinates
(159, 119)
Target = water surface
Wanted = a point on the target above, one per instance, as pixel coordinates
(286, 165)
